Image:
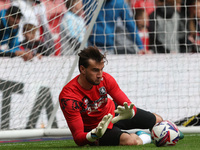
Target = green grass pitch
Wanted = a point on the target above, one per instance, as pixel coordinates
(190, 142)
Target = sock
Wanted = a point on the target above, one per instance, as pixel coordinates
(145, 138)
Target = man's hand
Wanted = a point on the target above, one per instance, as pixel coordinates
(99, 131)
(26, 55)
(125, 112)
(143, 51)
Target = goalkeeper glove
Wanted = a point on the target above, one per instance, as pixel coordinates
(99, 131)
(125, 112)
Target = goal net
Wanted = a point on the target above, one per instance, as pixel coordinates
(164, 81)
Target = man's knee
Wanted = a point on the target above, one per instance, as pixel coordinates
(129, 139)
(158, 118)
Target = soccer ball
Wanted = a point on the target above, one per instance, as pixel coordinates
(165, 133)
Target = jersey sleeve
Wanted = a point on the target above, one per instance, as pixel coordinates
(116, 93)
(71, 111)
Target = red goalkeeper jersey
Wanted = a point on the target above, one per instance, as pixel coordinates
(84, 109)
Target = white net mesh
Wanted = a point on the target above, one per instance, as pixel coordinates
(167, 83)
(47, 28)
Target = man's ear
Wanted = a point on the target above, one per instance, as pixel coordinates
(82, 69)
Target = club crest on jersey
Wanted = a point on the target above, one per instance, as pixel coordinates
(102, 91)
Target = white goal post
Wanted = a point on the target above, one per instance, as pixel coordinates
(166, 84)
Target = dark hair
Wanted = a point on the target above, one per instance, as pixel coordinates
(70, 3)
(14, 12)
(90, 53)
(37, 1)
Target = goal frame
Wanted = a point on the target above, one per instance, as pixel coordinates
(48, 131)
(39, 133)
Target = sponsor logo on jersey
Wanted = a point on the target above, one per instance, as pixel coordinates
(102, 90)
(90, 106)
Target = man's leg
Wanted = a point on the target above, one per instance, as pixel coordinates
(158, 118)
(130, 139)
(142, 120)
(116, 136)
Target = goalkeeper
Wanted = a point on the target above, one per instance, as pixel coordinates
(89, 112)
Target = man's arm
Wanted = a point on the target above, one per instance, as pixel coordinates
(126, 109)
(7, 54)
(26, 55)
(74, 120)
(116, 93)
(131, 26)
(75, 123)
(120, 98)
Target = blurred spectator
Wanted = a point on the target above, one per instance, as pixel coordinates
(147, 5)
(34, 12)
(179, 6)
(103, 32)
(124, 43)
(4, 4)
(167, 30)
(9, 22)
(142, 22)
(183, 6)
(128, 2)
(72, 27)
(194, 25)
(31, 43)
(55, 12)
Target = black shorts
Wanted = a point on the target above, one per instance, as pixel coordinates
(142, 120)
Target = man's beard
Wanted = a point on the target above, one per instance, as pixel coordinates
(92, 82)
